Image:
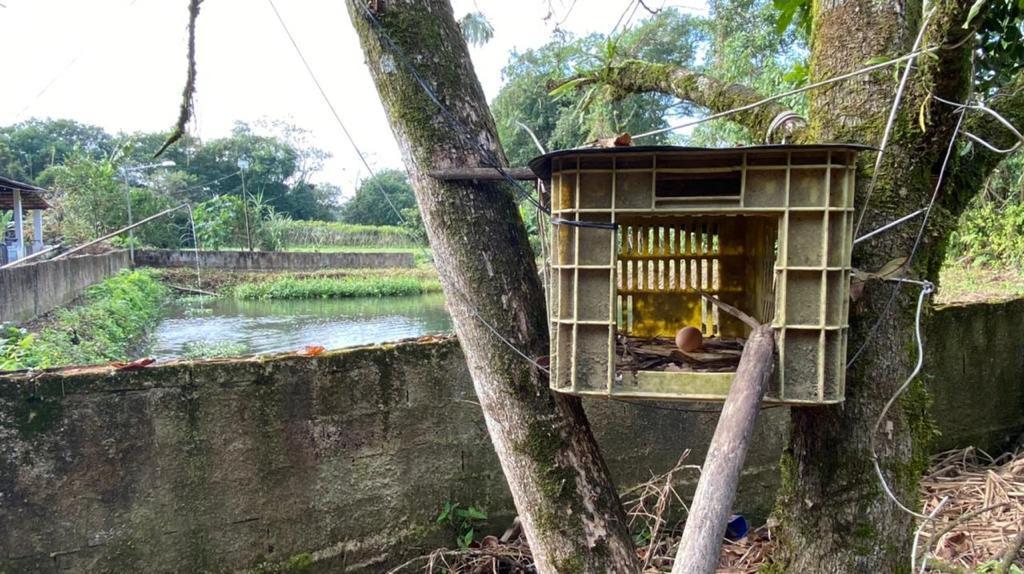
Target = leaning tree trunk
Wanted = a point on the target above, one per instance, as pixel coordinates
(833, 512)
(568, 505)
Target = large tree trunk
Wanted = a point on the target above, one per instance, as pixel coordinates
(568, 505)
(834, 514)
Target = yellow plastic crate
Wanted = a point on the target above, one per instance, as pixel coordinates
(766, 229)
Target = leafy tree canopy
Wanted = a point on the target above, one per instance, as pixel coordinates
(370, 205)
(578, 116)
(280, 158)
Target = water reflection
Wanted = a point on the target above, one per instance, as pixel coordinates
(273, 326)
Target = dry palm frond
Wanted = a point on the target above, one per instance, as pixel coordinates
(980, 523)
(984, 516)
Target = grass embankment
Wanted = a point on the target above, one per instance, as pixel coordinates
(985, 257)
(360, 282)
(327, 287)
(960, 283)
(106, 326)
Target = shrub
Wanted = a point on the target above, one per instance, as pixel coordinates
(990, 236)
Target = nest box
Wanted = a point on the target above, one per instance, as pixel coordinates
(767, 229)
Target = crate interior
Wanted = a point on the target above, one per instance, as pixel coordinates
(663, 264)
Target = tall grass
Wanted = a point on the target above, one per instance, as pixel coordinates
(327, 233)
(107, 326)
(335, 287)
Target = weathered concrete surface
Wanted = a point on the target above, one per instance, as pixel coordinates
(272, 260)
(222, 465)
(29, 290)
(974, 368)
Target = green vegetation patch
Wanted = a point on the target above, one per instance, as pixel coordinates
(325, 234)
(290, 287)
(107, 326)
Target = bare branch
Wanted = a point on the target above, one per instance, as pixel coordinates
(750, 321)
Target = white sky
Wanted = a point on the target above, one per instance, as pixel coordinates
(120, 64)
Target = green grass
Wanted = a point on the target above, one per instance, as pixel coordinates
(290, 287)
(107, 326)
(961, 283)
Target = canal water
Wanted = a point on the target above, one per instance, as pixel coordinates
(253, 327)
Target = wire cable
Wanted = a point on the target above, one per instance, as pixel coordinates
(58, 75)
(487, 156)
(362, 157)
(896, 101)
(926, 289)
(327, 100)
(917, 241)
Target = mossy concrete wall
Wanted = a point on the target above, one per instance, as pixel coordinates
(347, 457)
(222, 465)
(32, 289)
(272, 260)
(974, 370)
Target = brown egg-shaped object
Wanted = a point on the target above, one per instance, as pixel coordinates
(689, 339)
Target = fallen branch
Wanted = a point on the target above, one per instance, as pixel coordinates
(700, 547)
(750, 321)
(191, 290)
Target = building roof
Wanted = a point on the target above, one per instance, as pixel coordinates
(31, 196)
(541, 165)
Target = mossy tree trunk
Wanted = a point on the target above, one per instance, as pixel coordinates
(568, 505)
(834, 516)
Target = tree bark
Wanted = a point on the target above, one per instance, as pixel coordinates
(720, 475)
(567, 502)
(833, 514)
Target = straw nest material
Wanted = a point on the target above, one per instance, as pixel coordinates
(976, 503)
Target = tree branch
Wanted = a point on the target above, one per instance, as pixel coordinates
(635, 76)
(970, 171)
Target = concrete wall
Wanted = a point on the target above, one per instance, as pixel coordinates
(272, 260)
(974, 367)
(29, 290)
(224, 464)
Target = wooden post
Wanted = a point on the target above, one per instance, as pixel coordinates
(712, 503)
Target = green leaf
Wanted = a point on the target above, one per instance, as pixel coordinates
(445, 512)
(893, 267)
(975, 8)
(567, 87)
(474, 513)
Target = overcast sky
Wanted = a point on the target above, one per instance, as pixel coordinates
(120, 64)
